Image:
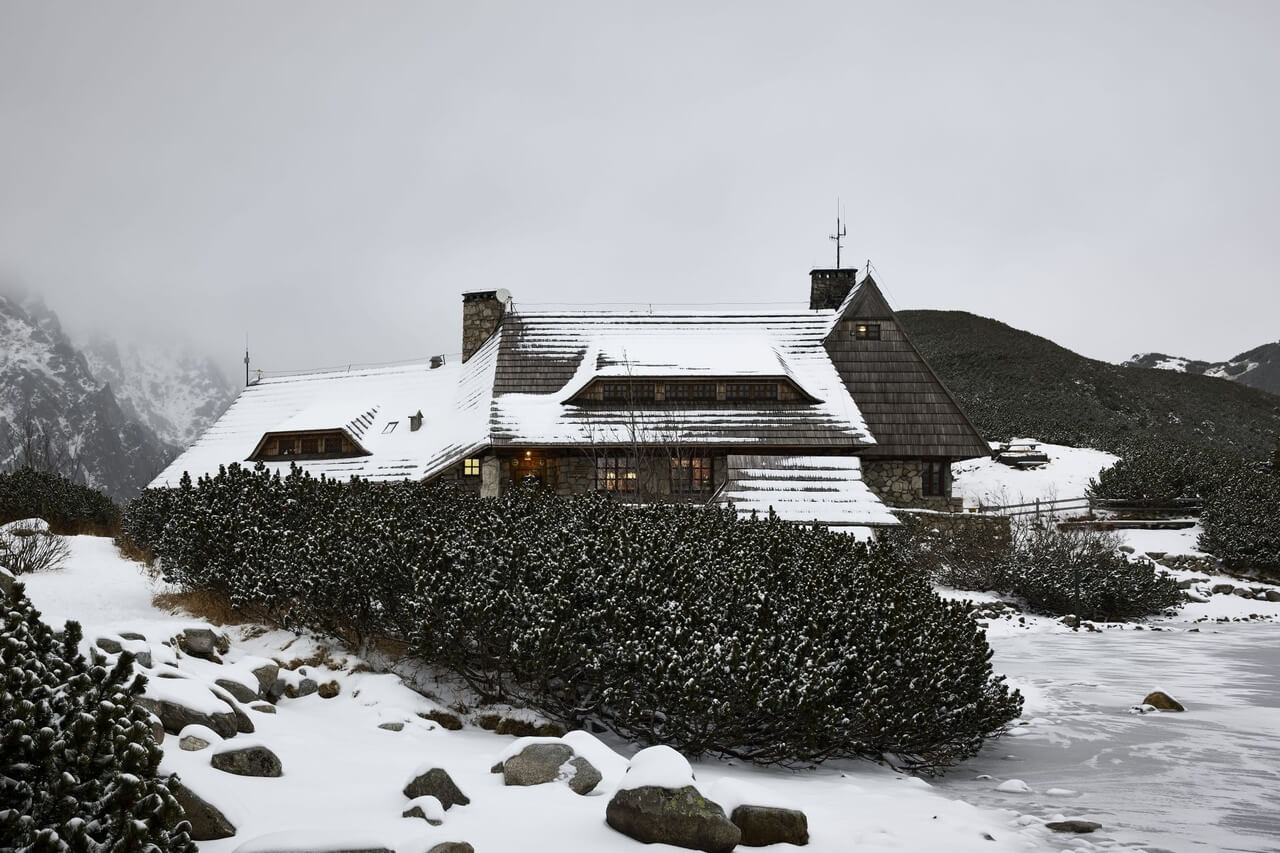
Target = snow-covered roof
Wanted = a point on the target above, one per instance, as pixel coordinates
(807, 489)
(453, 398)
(545, 358)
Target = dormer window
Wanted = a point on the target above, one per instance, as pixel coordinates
(866, 331)
(627, 392)
(690, 391)
(304, 445)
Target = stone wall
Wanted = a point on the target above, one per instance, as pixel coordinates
(828, 288)
(899, 483)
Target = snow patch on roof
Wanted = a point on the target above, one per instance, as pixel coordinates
(814, 489)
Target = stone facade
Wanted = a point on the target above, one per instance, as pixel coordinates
(481, 313)
(900, 483)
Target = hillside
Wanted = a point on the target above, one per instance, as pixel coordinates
(1013, 383)
(1257, 368)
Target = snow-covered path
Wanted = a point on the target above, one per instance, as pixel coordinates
(1204, 780)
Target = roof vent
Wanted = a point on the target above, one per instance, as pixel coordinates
(437, 361)
(415, 421)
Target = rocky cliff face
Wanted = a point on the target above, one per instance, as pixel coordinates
(55, 413)
(177, 395)
(1258, 368)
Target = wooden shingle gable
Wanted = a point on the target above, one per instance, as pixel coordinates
(910, 411)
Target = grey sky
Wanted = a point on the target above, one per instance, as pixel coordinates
(329, 177)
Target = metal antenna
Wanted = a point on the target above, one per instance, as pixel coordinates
(841, 231)
(246, 360)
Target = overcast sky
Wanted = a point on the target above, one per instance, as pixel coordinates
(330, 177)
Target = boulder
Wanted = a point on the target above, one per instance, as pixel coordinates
(241, 692)
(305, 687)
(207, 823)
(1163, 702)
(248, 761)
(393, 726)
(1272, 595)
(263, 707)
(1077, 826)
(157, 730)
(585, 776)
(428, 808)
(192, 743)
(536, 764)
(6, 584)
(199, 642)
(452, 847)
(143, 657)
(1222, 588)
(109, 645)
(267, 674)
(436, 783)
(175, 717)
(131, 635)
(1242, 592)
(681, 817)
(764, 825)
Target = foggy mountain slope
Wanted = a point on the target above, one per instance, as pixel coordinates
(1014, 383)
(1257, 368)
(47, 389)
(177, 395)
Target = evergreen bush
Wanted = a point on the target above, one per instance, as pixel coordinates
(675, 624)
(77, 759)
(69, 507)
(1241, 518)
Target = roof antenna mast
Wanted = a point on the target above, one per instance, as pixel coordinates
(841, 231)
(246, 360)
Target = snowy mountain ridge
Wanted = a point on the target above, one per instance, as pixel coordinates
(114, 417)
(1257, 368)
(178, 395)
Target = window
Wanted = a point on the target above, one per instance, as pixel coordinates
(390, 427)
(690, 391)
(471, 466)
(285, 447)
(321, 444)
(615, 474)
(332, 444)
(751, 391)
(310, 445)
(627, 392)
(867, 331)
(691, 476)
(935, 478)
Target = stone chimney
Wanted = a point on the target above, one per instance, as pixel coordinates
(828, 288)
(482, 312)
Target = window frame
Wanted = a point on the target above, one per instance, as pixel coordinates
(471, 466)
(692, 475)
(746, 392)
(616, 474)
(865, 331)
(935, 478)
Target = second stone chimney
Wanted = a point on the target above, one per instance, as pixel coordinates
(482, 312)
(828, 288)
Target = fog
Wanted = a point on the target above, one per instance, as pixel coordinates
(327, 178)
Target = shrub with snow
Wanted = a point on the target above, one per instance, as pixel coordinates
(1241, 518)
(27, 546)
(77, 759)
(666, 624)
(68, 506)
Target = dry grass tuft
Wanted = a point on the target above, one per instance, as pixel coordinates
(203, 604)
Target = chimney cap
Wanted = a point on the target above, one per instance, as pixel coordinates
(500, 295)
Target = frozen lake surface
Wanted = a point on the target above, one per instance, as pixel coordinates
(1204, 780)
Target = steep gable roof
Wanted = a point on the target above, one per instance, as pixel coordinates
(909, 410)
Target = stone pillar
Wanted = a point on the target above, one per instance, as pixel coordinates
(490, 476)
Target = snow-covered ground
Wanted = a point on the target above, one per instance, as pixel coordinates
(985, 482)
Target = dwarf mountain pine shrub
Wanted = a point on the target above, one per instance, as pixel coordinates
(1241, 519)
(69, 507)
(664, 623)
(77, 759)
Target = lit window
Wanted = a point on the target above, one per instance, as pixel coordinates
(615, 474)
(867, 331)
(471, 466)
(690, 476)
